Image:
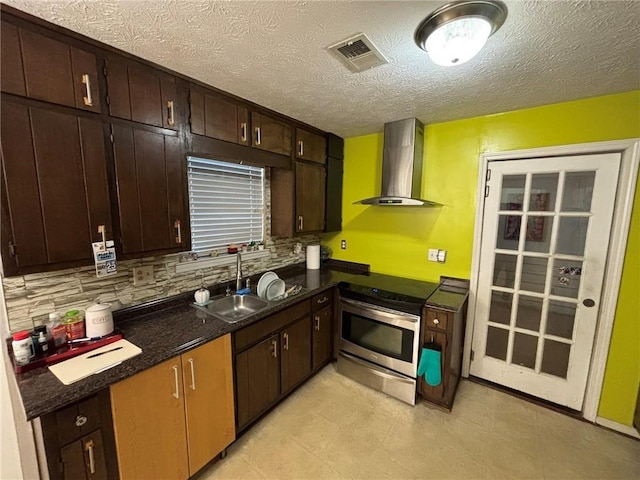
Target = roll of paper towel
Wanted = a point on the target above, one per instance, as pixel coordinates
(313, 257)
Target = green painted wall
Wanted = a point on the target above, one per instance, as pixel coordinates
(395, 240)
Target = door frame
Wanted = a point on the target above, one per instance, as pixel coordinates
(627, 178)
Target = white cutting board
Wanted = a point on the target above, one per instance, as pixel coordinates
(82, 366)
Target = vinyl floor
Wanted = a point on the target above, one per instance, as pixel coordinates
(334, 428)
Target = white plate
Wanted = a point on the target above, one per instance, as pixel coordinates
(275, 289)
(264, 281)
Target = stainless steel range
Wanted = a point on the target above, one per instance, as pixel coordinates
(380, 332)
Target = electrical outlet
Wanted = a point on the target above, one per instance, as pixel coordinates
(433, 255)
(343, 244)
(143, 275)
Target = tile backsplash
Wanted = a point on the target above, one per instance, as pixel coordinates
(30, 298)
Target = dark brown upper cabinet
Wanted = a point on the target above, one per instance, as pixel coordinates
(311, 146)
(150, 189)
(42, 68)
(55, 188)
(333, 206)
(271, 134)
(142, 94)
(310, 197)
(215, 116)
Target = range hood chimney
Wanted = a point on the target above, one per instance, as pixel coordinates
(402, 165)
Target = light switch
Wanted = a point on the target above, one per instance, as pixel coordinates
(442, 256)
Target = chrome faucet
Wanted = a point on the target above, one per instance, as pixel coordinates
(238, 272)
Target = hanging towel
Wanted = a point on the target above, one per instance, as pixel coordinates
(430, 363)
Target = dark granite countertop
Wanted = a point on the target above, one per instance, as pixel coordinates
(162, 330)
(448, 298)
(172, 326)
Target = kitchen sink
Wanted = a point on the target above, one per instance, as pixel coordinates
(234, 308)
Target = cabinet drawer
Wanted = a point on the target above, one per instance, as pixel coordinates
(437, 319)
(251, 334)
(321, 300)
(77, 420)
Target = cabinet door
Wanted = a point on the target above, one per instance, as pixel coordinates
(311, 146)
(58, 73)
(148, 422)
(322, 321)
(436, 393)
(257, 380)
(271, 134)
(333, 207)
(11, 67)
(142, 94)
(208, 387)
(310, 197)
(84, 459)
(149, 168)
(295, 363)
(56, 184)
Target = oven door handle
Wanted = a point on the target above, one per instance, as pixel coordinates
(385, 315)
(376, 369)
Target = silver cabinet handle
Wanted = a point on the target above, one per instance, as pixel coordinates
(243, 129)
(258, 136)
(286, 341)
(300, 148)
(171, 119)
(300, 222)
(193, 374)
(80, 420)
(87, 99)
(317, 319)
(176, 394)
(88, 447)
(322, 300)
(178, 226)
(274, 348)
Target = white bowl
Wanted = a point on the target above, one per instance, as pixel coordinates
(275, 289)
(264, 281)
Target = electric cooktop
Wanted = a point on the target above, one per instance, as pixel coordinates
(397, 293)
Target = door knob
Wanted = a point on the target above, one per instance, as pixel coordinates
(587, 302)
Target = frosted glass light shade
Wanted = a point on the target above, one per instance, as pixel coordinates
(458, 41)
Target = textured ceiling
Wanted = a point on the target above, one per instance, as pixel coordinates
(274, 53)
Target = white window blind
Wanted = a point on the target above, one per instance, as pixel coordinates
(226, 203)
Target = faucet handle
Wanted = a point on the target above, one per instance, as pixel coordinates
(228, 291)
(248, 283)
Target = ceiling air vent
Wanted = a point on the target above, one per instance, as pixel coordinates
(358, 53)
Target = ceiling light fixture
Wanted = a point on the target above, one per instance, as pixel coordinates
(456, 32)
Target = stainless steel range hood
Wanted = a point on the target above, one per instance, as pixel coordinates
(402, 165)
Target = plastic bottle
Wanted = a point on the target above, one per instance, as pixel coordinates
(57, 330)
(22, 346)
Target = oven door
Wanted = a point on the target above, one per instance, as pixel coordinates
(386, 337)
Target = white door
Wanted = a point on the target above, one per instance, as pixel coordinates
(545, 237)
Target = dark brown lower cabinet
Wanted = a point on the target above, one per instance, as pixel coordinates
(257, 379)
(295, 363)
(275, 355)
(446, 329)
(79, 440)
(321, 333)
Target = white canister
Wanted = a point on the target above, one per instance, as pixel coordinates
(98, 320)
(23, 349)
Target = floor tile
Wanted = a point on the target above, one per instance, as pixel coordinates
(334, 428)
